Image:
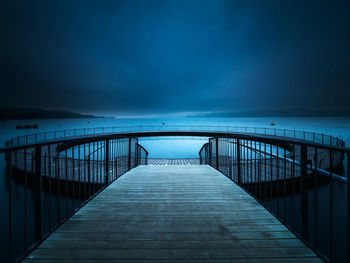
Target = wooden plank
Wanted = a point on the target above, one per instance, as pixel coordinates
(173, 213)
(166, 260)
(173, 161)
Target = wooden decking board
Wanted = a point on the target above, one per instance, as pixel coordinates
(187, 213)
(168, 244)
(173, 161)
(172, 236)
(155, 253)
(166, 260)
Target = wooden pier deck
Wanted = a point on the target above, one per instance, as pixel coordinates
(175, 213)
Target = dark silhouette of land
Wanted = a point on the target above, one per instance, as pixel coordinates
(22, 113)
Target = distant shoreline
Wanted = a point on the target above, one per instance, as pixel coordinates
(39, 114)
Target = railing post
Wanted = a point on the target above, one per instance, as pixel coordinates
(217, 152)
(304, 191)
(107, 161)
(89, 175)
(8, 159)
(238, 153)
(210, 151)
(129, 157)
(38, 195)
(348, 200)
(136, 155)
(146, 161)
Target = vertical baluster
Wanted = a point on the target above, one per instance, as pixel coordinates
(265, 171)
(101, 170)
(271, 177)
(258, 169)
(9, 182)
(217, 153)
(73, 179)
(238, 159)
(293, 185)
(94, 172)
(331, 206)
(244, 158)
(25, 200)
(102, 167)
(85, 172)
(79, 174)
(66, 179)
(277, 181)
(348, 201)
(45, 174)
(284, 183)
(107, 142)
(251, 165)
(129, 155)
(58, 175)
(38, 195)
(304, 192)
(49, 183)
(316, 198)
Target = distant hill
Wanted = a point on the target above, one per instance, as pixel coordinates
(21, 114)
(277, 113)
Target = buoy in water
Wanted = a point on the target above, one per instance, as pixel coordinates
(272, 124)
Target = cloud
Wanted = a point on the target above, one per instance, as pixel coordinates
(176, 56)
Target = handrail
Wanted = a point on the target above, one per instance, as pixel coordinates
(143, 148)
(203, 133)
(287, 133)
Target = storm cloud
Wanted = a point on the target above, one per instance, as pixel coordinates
(137, 57)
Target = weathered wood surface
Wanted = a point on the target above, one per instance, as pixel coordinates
(173, 161)
(172, 213)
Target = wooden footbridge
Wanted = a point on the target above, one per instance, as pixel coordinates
(249, 197)
(182, 213)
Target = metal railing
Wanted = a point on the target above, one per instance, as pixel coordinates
(305, 185)
(48, 183)
(286, 133)
(61, 171)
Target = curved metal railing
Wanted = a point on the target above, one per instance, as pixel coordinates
(57, 177)
(57, 180)
(306, 186)
(71, 133)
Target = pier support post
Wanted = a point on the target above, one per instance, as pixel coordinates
(304, 191)
(107, 161)
(38, 195)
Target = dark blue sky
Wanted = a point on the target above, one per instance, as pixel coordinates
(138, 57)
